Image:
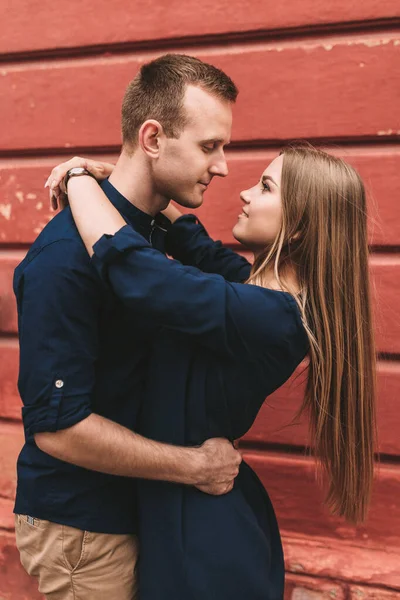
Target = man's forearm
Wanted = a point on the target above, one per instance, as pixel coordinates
(101, 445)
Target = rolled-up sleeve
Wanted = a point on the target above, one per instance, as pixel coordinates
(58, 296)
(228, 318)
(188, 241)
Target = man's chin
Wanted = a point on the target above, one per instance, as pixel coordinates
(191, 203)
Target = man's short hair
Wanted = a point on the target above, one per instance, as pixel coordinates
(158, 91)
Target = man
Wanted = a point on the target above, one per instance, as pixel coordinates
(83, 355)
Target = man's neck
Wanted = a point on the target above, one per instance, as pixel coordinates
(132, 178)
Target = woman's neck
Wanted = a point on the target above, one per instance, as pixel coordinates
(288, 279)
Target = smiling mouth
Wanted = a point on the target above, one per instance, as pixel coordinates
(244, 214)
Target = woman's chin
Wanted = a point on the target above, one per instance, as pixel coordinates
(237, 233)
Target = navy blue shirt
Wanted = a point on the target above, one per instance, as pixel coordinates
(81, 351)
(222, 348)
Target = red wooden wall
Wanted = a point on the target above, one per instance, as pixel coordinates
(306, 69)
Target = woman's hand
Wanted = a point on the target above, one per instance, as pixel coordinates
(58, 196)
(172, 212)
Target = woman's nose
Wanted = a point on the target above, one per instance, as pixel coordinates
(244, 196)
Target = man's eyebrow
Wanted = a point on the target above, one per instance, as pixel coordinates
(269, 178)
(215, 141)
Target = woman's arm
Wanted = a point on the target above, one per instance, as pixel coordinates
(224, 317)
(93, 213)
(188, 241)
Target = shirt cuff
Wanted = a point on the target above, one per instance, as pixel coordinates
(181, 232)
(109, 248)
(60, 413)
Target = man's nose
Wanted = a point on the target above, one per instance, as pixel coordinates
(220, 167)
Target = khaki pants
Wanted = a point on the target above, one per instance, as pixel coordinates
(71, 564)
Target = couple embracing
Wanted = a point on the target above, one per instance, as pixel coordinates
(138, 373)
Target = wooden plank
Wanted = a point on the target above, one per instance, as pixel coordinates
(8, 313)
(357, 592)
(11, 440)
(24, 28)
(6, 514)
(15, 583)
(299, 587)
(275, 425)
(298, 501)
(24, 208)
(340, 560)
(10, 402)
(385, 272)
(293, 90)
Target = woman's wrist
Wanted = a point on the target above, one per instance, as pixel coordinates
(172, 213)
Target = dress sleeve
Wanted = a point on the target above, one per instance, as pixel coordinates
(226, 317)
(188, 241)
(58, 309)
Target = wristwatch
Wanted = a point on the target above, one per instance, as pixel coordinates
(75, 172)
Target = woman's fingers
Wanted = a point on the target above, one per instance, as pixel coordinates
(57, 194)
(59, 172)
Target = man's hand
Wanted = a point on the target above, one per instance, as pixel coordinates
(219, 466)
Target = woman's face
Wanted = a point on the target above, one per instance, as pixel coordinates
(261, 216)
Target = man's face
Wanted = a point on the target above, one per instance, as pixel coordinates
(186, 165)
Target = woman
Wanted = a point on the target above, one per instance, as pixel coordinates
(231, 344)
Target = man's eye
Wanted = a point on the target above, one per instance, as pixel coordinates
(208, 148)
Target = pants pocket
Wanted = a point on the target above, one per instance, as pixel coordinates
(73, 546)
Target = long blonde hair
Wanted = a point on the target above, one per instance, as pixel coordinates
(324, 237)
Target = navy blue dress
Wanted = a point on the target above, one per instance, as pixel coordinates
(222, 348)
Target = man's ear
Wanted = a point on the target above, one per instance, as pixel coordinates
(149, 137)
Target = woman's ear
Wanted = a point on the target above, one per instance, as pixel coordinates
(149, 137)
(295, 237)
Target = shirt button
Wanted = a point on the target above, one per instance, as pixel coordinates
(59, 383)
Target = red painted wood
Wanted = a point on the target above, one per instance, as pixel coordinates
(8, 314)
(357, 592)
(11, 440)
(10, 402)
(298, 501)
(275, 425)
(6, 514)
(324, 557)
(24, 28)
(298, 587)
(24, 207)
(15, 584)
(288, 90)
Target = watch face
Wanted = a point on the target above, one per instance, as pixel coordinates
(76, 171)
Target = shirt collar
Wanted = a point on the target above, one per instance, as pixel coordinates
(142, 222)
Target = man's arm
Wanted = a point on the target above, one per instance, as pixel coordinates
(59, 308)
(99, 444)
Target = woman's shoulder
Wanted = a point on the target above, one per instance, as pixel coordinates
(273, 318)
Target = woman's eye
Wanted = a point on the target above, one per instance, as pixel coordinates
(265, 186)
